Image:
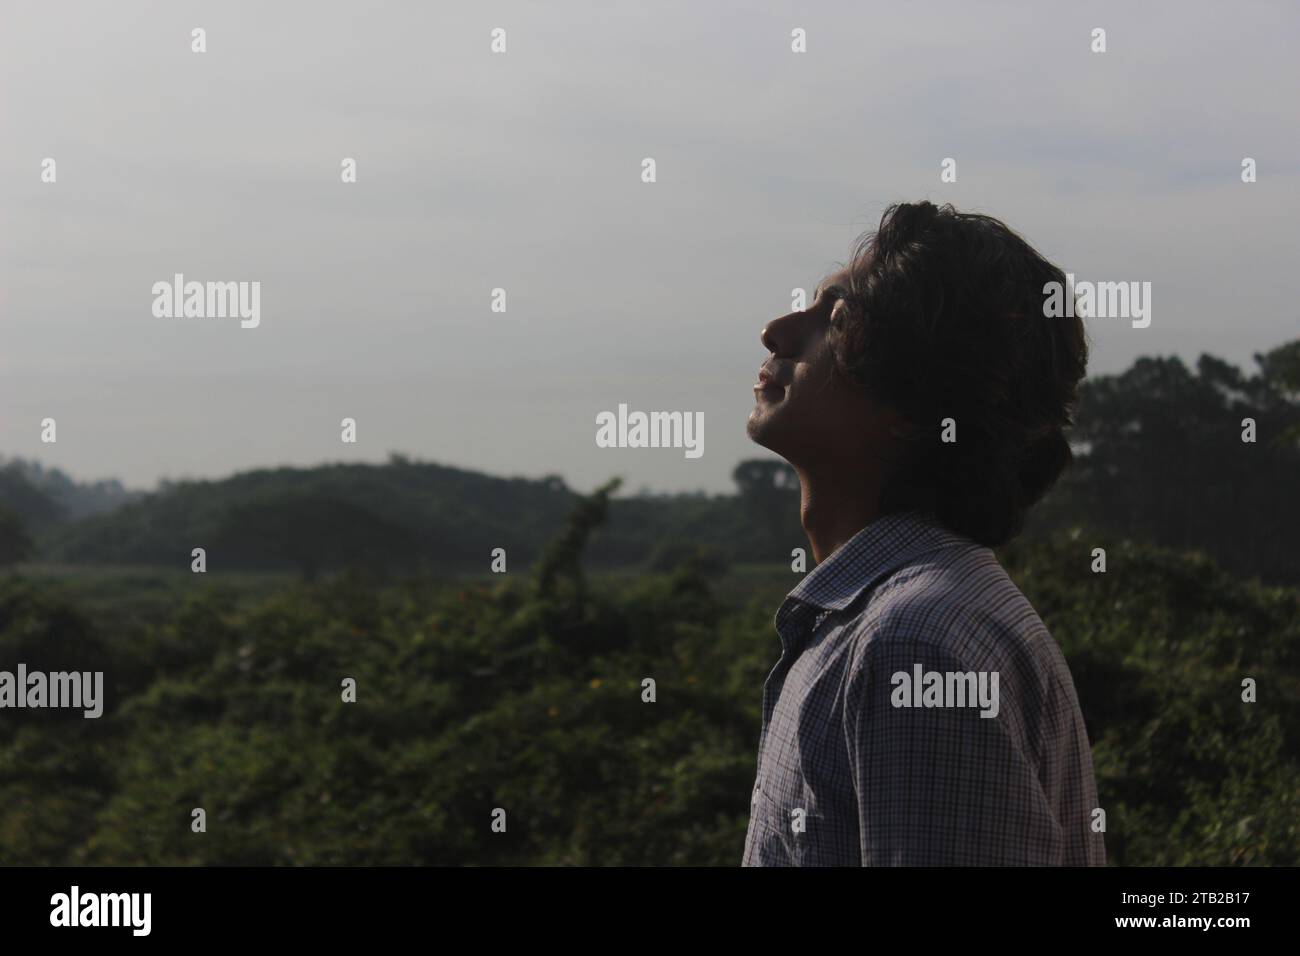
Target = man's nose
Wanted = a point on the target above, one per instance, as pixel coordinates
(778, 335)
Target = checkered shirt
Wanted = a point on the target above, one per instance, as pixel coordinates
(846, 778)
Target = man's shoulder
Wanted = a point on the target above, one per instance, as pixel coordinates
(957, 611)
(956, 603)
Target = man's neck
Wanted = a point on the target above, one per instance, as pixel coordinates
(835, 504)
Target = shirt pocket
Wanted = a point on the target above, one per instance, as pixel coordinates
(796, 824)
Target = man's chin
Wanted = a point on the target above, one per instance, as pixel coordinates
(762, 427)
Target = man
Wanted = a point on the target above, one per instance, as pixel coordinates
(920, 713)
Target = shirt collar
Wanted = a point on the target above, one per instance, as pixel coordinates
(879, 549)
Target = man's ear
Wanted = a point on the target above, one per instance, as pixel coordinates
(900, 434)
(899, 427)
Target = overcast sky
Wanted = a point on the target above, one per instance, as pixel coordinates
(523, 171)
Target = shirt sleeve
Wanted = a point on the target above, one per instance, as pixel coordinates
(942, 785)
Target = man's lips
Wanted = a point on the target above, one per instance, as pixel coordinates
(766, 379)
(768, 385)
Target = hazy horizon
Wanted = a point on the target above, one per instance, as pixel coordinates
(522, 171)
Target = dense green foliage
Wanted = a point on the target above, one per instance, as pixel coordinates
(525, 693)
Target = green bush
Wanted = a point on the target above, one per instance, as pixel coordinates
(527, 695)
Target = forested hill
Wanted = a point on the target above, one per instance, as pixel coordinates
(404, 515)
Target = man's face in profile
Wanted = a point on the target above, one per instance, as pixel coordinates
(805, 410)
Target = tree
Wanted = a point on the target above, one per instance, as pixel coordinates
(36, 509)
(769, 503)
(15, 543)
(764, 476)
(1162, 459)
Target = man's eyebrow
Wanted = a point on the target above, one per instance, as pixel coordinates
(826, 288)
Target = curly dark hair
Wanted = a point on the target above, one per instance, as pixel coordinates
(945, 320)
